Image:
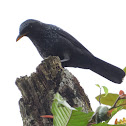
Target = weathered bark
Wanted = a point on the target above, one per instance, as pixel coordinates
(38, 90)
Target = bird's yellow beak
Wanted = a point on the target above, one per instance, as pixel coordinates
(20, 36)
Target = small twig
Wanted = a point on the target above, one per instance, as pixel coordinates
(114, 106)
(90, 124)
(119, 105)
(100, 97)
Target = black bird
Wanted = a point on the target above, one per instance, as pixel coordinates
(51, 40)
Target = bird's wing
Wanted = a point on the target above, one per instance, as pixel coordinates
(72, 40)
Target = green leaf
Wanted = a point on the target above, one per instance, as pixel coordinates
(98, 85)
(60, 112)
(124, 70)
(109, 99)
(105, 90)
(65, 116)
(79, 118)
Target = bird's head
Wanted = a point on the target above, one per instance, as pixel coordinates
(27, 27)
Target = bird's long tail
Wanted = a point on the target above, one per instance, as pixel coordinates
(107, 70)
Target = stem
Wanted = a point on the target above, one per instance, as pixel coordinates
(114, 106)
(100, 97)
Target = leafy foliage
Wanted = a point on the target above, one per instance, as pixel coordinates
(105, 90)
(124, 70)
(60, 112)
(109, 99)
(66, 116)
(79, 118)
(98, 85)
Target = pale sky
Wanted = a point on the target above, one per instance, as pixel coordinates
(99, 25)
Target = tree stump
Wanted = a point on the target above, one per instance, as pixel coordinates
(38, 91)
